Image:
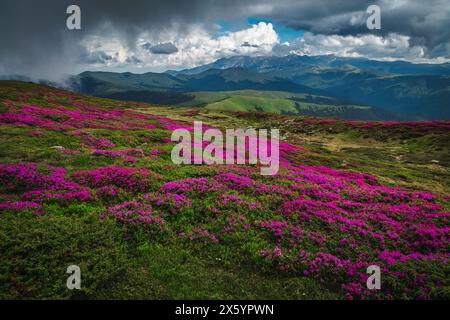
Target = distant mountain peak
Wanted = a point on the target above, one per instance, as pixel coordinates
(416, 91)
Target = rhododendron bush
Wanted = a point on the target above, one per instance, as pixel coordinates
(307, 221)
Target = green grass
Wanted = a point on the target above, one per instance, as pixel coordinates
(398, 157)
(263, 101)
(173, 272)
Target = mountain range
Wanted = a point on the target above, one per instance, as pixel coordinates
(386, 90)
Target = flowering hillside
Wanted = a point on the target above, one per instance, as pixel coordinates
(90, 181)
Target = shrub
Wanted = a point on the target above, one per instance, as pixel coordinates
(130, 179)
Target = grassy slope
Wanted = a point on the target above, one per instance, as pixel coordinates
(152, 269)
(417, 160)
(168, 269)
(279, 103)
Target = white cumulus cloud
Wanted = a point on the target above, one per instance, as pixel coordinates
(391, 47)
(197, 46)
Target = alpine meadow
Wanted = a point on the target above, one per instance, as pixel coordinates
(220, 150)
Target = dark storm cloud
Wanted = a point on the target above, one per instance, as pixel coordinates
(95, 57)
(133, 60)
(147, 46)
(247, 44)
(163, 48)
(34, 39)
(426, 22)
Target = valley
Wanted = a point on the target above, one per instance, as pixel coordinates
(354, 89)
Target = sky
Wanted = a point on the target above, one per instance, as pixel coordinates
(142, 36)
